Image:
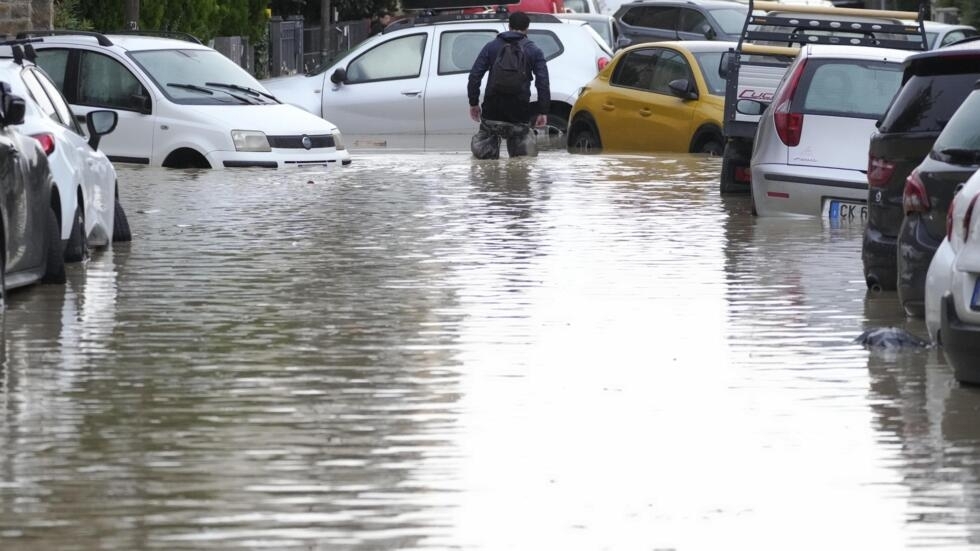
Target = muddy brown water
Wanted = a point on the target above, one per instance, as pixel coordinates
(424, 351)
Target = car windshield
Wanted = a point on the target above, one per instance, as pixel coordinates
(196, 70)
(709, 63)
(730, 19)
(859, 89)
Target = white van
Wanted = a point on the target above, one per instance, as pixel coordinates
(181, 104)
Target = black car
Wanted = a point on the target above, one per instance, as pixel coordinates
(659, 20)
(929, 190)
(32, 248)
(935, 83)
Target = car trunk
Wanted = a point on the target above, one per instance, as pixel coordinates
(904, 151)
(833, 142)
(941, 181)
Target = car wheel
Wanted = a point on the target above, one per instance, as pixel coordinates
(120, 227)
(54, 265)
(77, 248)
(732, 159)
(552, 136)
(584, 139)
(711, 147)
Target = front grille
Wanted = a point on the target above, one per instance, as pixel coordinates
(296, 142)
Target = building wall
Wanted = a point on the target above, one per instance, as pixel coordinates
(22, 15)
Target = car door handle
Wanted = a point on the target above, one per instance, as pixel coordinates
(645, 112)
(608, 107)
(411, 92)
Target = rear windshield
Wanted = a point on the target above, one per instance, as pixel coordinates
(926, 102)
(963, 130)
(852, 88)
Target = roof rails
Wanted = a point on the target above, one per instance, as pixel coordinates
(842, 26)
(102, 39)
(187, 37)
(459, 17)
(21, 49)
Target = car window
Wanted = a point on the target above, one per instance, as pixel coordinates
(549, 44)
(963, 130)
(692, 21)
(635, 69)
(670, 66)
(926, 102)
(54, 61)
(458, 50)
(104, 82)
(730, 20)
(394, 59)
(856, 89)
(951, 37)
(652, 16)
(709, 63)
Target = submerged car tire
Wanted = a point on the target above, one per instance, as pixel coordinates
(77, 248)
(712, 147)
(120, 227)
(54, 265)
(732, 157)
(584, 139)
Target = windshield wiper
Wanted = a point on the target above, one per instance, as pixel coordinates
(245, 89)
(962, 154)
(210, 92)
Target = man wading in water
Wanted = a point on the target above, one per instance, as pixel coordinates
(511, 59)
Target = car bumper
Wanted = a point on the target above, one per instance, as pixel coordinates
(278, 158)
(878, 255)
(961, 343)
(915, 251)
(780, 189)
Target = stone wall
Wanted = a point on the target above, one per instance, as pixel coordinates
(22, 15)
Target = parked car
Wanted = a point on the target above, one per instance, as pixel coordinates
(407, 85)
(809, 154)
(604, 25)
(31, 237)
(663, 96)
(935, 83)
(952, 292)
(929, 190)
(181, 104)
(939, 35)
(659, 20)
(87, 196)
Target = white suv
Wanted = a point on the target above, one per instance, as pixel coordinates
(409, 82)
(181, 104)
(86, 199)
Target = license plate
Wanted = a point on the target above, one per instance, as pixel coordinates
(847, 211)
(975, 301)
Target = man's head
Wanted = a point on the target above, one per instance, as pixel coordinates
(518, 21)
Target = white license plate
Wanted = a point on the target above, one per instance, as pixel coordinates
(847, 211)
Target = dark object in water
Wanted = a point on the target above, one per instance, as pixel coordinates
(890, 337)
(519, 137)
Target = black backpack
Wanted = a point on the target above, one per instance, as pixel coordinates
(509, 73)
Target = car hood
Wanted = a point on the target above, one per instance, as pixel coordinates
(273, 119)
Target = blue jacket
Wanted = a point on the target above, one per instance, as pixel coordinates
(539, 68)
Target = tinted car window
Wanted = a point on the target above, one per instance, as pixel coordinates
(651, 16)
(548, 43)
(394, 59)
(963, 130)
(927, 102)
(105, 82)
(855, 89)
(692, 21)
(670, 66)
(458, 50)
(54, 62)
(635, 70)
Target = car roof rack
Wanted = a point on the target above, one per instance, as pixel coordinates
(461, 17)
(21, 49)
(101, 38)
(815, 25)
(187, 37)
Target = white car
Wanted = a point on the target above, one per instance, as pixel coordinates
(810, 153)
(407, 86)
(87, 200)
(181, 104)
(952, 297)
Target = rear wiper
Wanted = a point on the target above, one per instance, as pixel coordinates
(246, 89)
(962, 154)
(210, 92)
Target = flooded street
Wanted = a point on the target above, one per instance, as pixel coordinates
(425, 351)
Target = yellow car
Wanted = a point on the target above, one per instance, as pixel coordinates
(657, 96)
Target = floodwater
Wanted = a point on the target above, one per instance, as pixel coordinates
(424, 351)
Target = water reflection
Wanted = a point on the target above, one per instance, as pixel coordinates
(590, 351)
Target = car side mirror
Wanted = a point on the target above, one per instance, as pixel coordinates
(723, 65)
(99, 123)
(339, 76)
(623, 42)
(682, 88)
(142, 103)
(750, 107)
(13, 109)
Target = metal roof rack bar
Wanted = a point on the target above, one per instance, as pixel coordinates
(826, 10)
(457, 17)
(102, 39)
(187, 37)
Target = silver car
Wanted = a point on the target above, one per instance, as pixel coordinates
(811, 147)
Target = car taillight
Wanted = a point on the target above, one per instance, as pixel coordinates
(789, 125)
(47, 142)
(968, 216)
(914, 198)
(879, 171)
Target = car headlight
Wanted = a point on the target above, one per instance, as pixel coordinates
(338, 140)
(250, 140)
